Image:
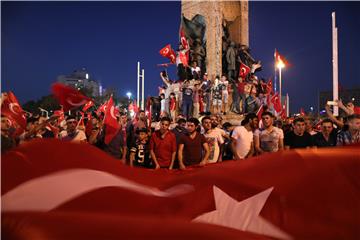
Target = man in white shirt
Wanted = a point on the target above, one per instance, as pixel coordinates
(242, 137)
(214, 140)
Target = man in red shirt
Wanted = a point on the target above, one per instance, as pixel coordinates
(193, 147)
(163, 145)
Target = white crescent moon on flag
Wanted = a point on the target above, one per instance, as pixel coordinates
(82, 102)
(38, 194)
(15, 108)
(112, 112)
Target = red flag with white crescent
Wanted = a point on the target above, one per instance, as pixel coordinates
(88, 105)
(275, 100)
(244, 70)
(183, 39)
(79, 192)
(68, 97)
(110, 121)
(101, 109)
(169, 53)
(165, 51)
(11, 108)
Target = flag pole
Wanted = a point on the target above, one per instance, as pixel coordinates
(335, 63)
(280, 85)
(275, 71)
(287, 105)
(143, 87)
(138, 84)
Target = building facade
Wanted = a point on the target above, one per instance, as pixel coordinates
(80, 79)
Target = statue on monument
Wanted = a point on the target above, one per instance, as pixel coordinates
(231, 61)
(198, 54)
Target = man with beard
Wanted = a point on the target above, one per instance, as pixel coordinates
(214, 140)
(163, 145)
(242, 137)
(269, 138)
(193, 148)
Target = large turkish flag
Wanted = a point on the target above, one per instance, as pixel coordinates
(77, 192)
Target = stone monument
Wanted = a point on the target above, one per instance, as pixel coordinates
(233, 15)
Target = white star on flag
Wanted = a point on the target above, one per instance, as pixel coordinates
(242, 215)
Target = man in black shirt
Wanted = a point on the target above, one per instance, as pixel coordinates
(298, 138)
(327, 136)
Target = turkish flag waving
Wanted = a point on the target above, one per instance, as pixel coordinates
(110, 121)
(275, 100)
(101, 109)
(11, 108)
(269, 87)
(79, 191)
(169, 53)
(183, 39)
(68, 97)
(244, 70)
(88, 105)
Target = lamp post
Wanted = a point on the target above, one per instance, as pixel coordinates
(280, 65)
(129, 95)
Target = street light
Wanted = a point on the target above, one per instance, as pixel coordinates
(129, 95)
(280, 65)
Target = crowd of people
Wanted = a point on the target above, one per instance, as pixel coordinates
(204, 95)
(190, 141)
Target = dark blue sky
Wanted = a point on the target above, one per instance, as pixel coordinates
(41, 40)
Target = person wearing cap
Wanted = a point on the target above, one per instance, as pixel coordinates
(72, 134)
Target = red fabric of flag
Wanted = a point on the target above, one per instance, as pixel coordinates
(169, 53)
(302, 112)
(183, 39)
(101, 109)
(88, 105)
(275, 100)
(79, 191)
(68, 97)
(11, 108)
(269, 87)
(283, 113)
(244, 70)
(110, 121)
(260, 111)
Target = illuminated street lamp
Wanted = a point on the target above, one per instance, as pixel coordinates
(280, 65)
(129, 95)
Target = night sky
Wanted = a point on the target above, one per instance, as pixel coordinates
(41, 40)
